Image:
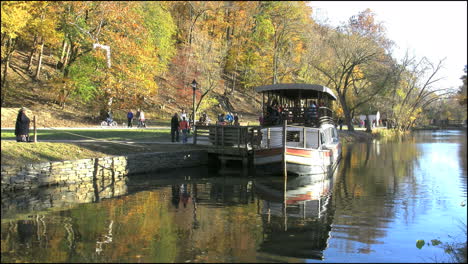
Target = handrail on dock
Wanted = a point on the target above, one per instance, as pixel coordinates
(225, 138)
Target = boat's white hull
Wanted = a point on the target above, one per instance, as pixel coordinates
(298, 160)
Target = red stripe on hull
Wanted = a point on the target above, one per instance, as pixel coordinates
(300, 152)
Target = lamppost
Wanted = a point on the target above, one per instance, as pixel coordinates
(194, 87)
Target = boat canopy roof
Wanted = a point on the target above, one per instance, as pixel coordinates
(296, 90)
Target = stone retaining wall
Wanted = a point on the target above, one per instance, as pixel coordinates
(96, 170)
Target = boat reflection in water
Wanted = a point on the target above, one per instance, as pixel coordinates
(296, 215)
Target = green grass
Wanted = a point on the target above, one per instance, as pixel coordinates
(102, 134)
(18, 153)
(14, 153)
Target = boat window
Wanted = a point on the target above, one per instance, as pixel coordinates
(293, 136)
(335, 135)
(328, 136)
(312, 138)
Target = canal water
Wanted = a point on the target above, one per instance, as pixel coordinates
(386, 202)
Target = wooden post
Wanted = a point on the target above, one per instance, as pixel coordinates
(35, 130)
(304, 136)
(238, 138)
(268, 137)
(246, 133)
(195, 135)
(216, 137)
(285, 171)
(284, 150)
(222, 139)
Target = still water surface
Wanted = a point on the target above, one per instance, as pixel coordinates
(381, 200)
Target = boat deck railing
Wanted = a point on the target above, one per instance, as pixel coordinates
(301, 116)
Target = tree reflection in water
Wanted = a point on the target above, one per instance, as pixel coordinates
(241, 219)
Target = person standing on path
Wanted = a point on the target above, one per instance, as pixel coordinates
(137, 116)
(130, 118)
(184, 126)
(142, 119)
(22, 126)
(340, 123)
(109, 117)
(175, 127)
(229, 118)
(183, 114)
(236, 120)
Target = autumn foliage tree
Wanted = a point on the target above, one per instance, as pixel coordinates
(118, 55)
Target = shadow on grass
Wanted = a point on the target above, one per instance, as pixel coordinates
(104, 134)
(125, 149)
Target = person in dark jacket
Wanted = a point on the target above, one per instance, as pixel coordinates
(236, 120)
(175, 127)
(130, 118)
(22, 126)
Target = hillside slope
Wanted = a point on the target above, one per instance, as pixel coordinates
(38, 97)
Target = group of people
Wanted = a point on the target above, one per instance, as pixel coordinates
(140, 116)
(180, 123)
(273, 114)
(311, 114)
(276, 113)
(228, 119)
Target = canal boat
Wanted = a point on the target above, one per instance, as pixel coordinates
(297, 130)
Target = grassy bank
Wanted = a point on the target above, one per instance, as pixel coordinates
(98, 134)
(385, 135)
(14, 153)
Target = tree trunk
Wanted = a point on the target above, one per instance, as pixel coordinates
(9, 52)
(4, 37)
(349, 121)
(31, 55)
(234, 77)
(64, 48)
(368, 124)
(275, 67)
(39, 61)
(347, 113)
(67, 57)
(4, 77)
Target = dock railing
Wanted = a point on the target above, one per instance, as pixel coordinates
(227, 139)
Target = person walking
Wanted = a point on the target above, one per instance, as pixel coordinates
(22, 126)
(175, 128)
(183, 114)
(141, 121)
(130, 118)
(110, 117)
(184, 126)
(137, 116)
(236, 120)
(229, 118)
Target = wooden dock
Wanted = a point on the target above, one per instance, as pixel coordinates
(227, 142)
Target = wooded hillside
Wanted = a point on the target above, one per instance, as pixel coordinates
(121, 55)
